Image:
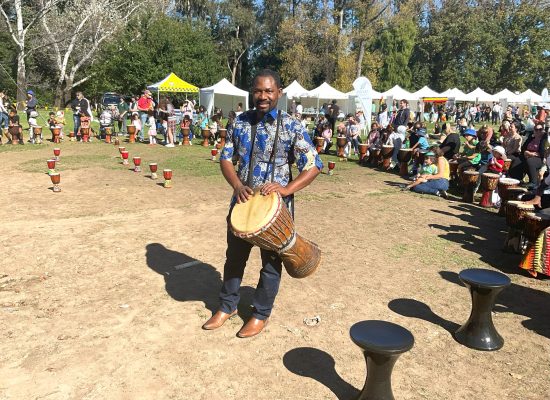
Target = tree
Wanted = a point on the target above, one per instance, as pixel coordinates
(149, 48)
(20, 17)
(83, 26)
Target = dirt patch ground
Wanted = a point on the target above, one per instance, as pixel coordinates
(94, 304)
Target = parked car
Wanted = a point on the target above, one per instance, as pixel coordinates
(109, 99)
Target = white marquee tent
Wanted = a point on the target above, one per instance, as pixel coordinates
(324, 94)
(223, 95)
(510, 96)
(292, 91)
(455, 93)
(426, 92)
(480, 95)
(398, 93)
(530, 96)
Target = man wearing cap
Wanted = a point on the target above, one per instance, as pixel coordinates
(144, 104)
(31, 105)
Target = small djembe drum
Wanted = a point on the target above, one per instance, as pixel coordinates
(363, 148)
(153, 168)
(56, 132)
(131, 129)
(504, 184)
(515, 219)
(331, 165)
(205, 137)
(167, 178)
(214, 153)
(72, 136)
(57, 153)
(507, 164)
(534, 224)
(469, 182)
(319, 144)
(185, 133)
(56, 179)
(341, 143)
(453, 169)
(37, 134)
(85, 132)
(116, 142)
(51, 166)
(404, 157)
(137, 164)
(387, 152)
(124, 154)
(222, 135)
(108, 134)
(376, 157)
(14, 133)
(489, 182)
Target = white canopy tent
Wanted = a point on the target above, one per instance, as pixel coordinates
(480, 95)
(352, 100)
(398, 93)
(455, 93)
(292, 91)
(426, 92)
(510, 96)
(530, 97)
(223, 95)
(324, 94)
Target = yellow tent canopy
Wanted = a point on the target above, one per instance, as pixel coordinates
(173, 83)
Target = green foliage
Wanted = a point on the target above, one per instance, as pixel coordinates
(152, 47)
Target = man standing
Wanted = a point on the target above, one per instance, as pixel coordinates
(403, 115)
(31, 104)
(144, 104)
(333, 116)
(80, 106)
(252, 140)
(3, 116)
(122, 115)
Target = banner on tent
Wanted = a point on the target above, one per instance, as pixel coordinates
(363, 89)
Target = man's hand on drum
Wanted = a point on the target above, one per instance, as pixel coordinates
(536, 201)
(273, 187)
(242, 193)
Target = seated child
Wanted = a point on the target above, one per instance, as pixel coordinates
(33, 123)
(136, 122)
(60, 121)
(494, 164)
(186, 123)
(13, 120)
(428, 168)
(421, 145)
(469, 151)
(327, 135)
(213, 127)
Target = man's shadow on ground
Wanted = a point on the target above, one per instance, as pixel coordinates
(189, 279)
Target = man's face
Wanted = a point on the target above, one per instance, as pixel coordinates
(265, 94)
(79, 96)
(402, 104)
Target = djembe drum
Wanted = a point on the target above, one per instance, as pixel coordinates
(85, 132)
(363, 147)
(56, 179)
(489, 183)
(453, 169)
(341, 143)
(515, 218)
(57, 153)
(71, 136)
(222, 133)
(534, 224)
(51, 166)
(319, 144)
(108, 134)
(37, 134)
(387, 152)
(205, 137)
(55, 134)
(185, 133)
(131, 129)
(167, 173)
(404, 157)
(153, 168)
(124, 154)
(376, 157)
(14, 133)
(214, 153)
(504, 184)
(507, 164)
(137, 164)
(331, 165)
(469, 181)
(120, 150)
(266, 222)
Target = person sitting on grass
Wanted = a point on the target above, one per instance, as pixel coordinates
(13, 121)
(428, 168)
(60, 122)
(327, 135)
(436, 184)
(495, 163)
(213, 127)
(353, 133)
(136, 122)
(421, 145)
(469, 153)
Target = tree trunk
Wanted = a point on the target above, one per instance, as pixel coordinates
(58, 100)
(21, 79)
(234, 72)
(360, 57)
(67, 92)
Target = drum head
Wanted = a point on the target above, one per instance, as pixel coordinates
(509, 181)
(256, 213)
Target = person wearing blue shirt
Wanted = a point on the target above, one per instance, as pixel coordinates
(253, 151)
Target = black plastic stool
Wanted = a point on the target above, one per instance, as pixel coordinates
(382, 343)
(479, 332)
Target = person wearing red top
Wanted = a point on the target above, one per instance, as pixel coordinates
(496, 164)
(540, 118)
(144, 105)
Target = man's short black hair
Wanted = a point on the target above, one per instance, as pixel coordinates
(268, 73)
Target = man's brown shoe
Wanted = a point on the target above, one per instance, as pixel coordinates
(217, 320)
(252, 327)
